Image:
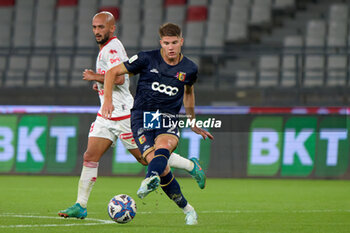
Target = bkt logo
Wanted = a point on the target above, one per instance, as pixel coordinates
(162, 88)
(151, 120)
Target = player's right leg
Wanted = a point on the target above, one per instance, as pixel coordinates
(192, 166)
(97, 146)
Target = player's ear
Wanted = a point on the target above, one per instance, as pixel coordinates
(112, 29)
(181, 41)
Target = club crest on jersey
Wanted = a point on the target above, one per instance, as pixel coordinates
(113, 51)
(142, 139)
(181, 76)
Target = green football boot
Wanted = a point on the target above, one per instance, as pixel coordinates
(75, 211)
(198, 173)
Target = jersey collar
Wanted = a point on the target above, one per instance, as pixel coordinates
(114, 37)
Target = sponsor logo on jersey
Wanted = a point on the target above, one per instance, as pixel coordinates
(114, 60)
(154, 70)
(133, 58)
(181, 76)
(162, 88)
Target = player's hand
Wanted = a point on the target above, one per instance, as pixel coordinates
(205, 134)
(95, 87)
(107, 109)
(88, 75)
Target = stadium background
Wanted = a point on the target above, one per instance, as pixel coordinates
(263, 64)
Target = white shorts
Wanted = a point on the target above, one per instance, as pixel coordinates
(113, 130)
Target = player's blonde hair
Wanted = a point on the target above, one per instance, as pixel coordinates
(169, 29)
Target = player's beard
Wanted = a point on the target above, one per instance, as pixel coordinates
(104, 40)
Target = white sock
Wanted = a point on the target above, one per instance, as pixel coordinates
(87, 180)
(177, 161)
(187, 208)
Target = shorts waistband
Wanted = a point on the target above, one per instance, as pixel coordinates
(116, 118)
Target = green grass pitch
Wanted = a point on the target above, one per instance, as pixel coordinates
(30, 204)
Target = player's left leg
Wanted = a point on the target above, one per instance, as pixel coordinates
(172, 188)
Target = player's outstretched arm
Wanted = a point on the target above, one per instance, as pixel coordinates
(189, 103)
(112, 76)
(90, 75)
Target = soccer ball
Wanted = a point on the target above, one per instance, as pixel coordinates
(122, 208)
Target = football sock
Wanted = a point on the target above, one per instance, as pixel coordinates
(158, 163)
(177, 161)
(172, 188)
(87, 180)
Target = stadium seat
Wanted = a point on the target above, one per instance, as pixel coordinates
(244, 3)
(314, 70)
(337, 33)
(289, 70)
(62, 70)
(153, 3)
(131, 3)
(215, 35)
(23, 26)
(150, 37)
(239, 14)
(109, 3)
(339, 12)
(336, 70)
(283, 4)
(262, 3)
(65, 29)
(197, 2)
(152, 15)
(7, 3)
(245, 78)
(175, 14)
(86, 10)
(223, 3)
(44, 23)
(269, 70)
(217, 14)
(130, 14)
(174, 2)
(315, 33)
(38, 71)
(260, 15)
(130, 34)
(17, 70)
(197, 13)
(65, 3)
(194, 33)
(291, 62)
(237, 31)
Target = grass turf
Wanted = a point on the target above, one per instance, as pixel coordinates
(30, 204)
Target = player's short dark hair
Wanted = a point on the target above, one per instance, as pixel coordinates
(169, 29)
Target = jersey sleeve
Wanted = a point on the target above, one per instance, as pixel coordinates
(193, 77)
(115, 55)
(136, 63)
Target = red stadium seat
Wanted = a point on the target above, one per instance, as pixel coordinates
(174, 2)
(4, 3)
(112, 9)
(197, 13)
(67, 2)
